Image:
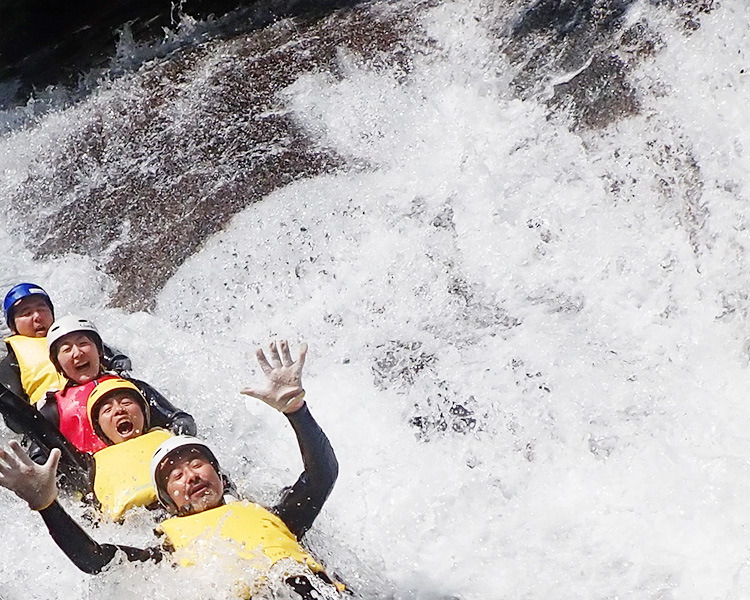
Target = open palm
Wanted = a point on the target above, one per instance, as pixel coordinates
(283, 387)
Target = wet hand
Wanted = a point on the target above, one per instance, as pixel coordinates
(283, 389)
(29, 481)
(120, 364)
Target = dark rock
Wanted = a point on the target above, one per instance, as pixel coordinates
(55, 42)
(46, 42)
(583, 52)
(142, 178)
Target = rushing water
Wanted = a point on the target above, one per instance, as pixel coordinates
(529, 341)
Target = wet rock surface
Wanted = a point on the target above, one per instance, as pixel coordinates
(48, 42)
(144, 177)
(54, 42)
(578, 54)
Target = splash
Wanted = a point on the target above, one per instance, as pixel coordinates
(528, 326)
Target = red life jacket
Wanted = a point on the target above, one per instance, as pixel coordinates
(74, 420)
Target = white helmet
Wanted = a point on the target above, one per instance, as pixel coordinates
(168, 447)
(69, 324)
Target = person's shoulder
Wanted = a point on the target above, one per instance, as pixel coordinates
(6, 350)
(10, 373)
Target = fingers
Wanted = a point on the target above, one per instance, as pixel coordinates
(286, 356)
(7, 463)
(21, 456)
(279, 356)
(7, 460)
(19, 459)
(273, 354)
(248, 391)
(53, 460)
(263, 361)
(11, 463)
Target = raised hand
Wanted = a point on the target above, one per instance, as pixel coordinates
(29, 481)
(283, 389)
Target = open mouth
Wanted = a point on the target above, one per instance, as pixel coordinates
(125, 428)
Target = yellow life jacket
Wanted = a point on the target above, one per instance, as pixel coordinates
(260, 536)
(38, 374)
(122, 478)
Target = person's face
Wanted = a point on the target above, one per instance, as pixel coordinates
(192, 483)
(121, 417)
(78, 357)
(32, 316)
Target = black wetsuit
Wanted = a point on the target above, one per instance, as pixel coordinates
(298, 507)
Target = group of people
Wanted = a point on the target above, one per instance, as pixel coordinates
(120, 444)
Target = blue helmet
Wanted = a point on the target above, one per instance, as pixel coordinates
(19, 292)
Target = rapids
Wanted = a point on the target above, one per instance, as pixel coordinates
(528, 324)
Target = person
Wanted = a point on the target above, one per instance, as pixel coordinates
(121, 417)
(25, 370)
(190, 484)
(76, 352)
(29, 314)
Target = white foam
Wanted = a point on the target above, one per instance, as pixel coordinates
(583, 295)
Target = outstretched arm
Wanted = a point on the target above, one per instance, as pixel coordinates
(85, 553)
(36, 485)
(301, 503)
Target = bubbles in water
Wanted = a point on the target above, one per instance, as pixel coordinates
(527, 344)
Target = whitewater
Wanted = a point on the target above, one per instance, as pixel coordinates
(529, 342)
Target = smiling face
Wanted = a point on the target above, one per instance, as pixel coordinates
(192, 482)
(120, 416)
(78, 356)
(32, 316)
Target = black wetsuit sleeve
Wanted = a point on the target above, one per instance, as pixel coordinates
(301, 503)
(85, 553)
(76, 468)
(164, 413)
(49, 411)
(10, 378)
(114, 360)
